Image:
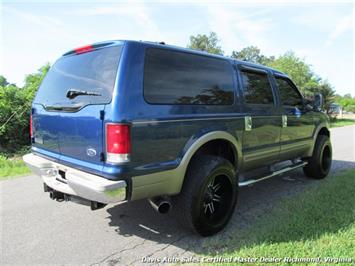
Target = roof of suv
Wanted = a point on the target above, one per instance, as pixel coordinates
(182, 49)
(170, 47)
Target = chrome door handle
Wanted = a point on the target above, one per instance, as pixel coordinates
(248, 123)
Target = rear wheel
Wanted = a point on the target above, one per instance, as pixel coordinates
(320, 162)
(208, 196)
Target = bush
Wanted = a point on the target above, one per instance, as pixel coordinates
(15, 109)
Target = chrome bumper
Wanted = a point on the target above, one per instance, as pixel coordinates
(76, 182)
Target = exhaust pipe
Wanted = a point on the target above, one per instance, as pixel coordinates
(59, 196)
(160, 204)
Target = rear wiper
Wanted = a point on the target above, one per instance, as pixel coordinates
(72, 93)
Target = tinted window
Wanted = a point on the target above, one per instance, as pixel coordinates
(179, 78)
(93, 71)
(257, 89)
(288, 94)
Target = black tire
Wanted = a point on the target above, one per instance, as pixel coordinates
(208, 196)
(320, 162)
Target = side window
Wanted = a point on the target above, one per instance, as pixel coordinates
(172, 77)
(288, 94)
(256, 88)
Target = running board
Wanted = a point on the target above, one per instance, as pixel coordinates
(278, 172)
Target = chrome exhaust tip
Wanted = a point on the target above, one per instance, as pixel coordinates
(161, 205)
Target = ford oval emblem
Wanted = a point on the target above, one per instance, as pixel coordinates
(91, 152)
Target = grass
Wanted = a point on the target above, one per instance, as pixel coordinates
(341, 122)
(13, 167)
(320, 223)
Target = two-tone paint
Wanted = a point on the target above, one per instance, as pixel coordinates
(165, 137)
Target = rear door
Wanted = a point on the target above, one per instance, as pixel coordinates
(261, 138)
(298, 125)
(68, 107)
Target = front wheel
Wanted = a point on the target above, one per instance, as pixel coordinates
(320, 162)
(208, 196)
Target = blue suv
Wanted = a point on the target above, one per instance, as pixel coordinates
(125, 120)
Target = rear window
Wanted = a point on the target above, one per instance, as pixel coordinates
(180, 78)
(256, 88)
(93, 72)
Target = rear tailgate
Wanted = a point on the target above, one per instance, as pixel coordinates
(67, 108)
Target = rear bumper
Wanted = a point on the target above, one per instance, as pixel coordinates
(76, 182)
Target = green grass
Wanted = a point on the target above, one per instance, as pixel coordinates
(342, 122)
(318, 223)
(13, 167)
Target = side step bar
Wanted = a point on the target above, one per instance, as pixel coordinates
(278, 172)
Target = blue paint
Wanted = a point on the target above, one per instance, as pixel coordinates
(161, 133)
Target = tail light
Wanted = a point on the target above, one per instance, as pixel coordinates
(118, 143)
(31, 127)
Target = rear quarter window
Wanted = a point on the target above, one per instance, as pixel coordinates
(172, 77)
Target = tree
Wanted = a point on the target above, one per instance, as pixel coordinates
(346, 102)
(33, 81)
(3, 81)
(252, 54)
(206, 43)
(15, 108)
(298, 70)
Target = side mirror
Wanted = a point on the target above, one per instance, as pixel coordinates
(318, 102)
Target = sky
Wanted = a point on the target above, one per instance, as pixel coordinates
(321, 32)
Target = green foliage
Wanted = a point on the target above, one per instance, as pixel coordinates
(342, 122)
(297, 69)
(206, 43)
(346, 102)
(33, 81)
(12, 167)
(3, 81)
(15, 107)
(252, 54)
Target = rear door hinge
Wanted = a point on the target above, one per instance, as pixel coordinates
(102, 157)
(102, 114)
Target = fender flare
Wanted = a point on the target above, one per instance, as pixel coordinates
(315, 135)
(193, 146)
(170, 182)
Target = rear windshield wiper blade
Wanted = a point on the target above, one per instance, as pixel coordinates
(72, 93)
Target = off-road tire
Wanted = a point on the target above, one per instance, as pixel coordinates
(192, 205)
(320, 162)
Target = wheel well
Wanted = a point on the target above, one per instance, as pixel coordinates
(324, 131)
(218, 147)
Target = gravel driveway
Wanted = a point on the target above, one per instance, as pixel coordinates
(37, 230)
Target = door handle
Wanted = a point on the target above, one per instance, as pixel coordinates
(248, 123)
(284, 120)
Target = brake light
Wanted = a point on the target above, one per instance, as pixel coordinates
(31, 127)
(118, 143)
(84, 49)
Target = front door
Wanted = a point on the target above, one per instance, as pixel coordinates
(297, 122)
